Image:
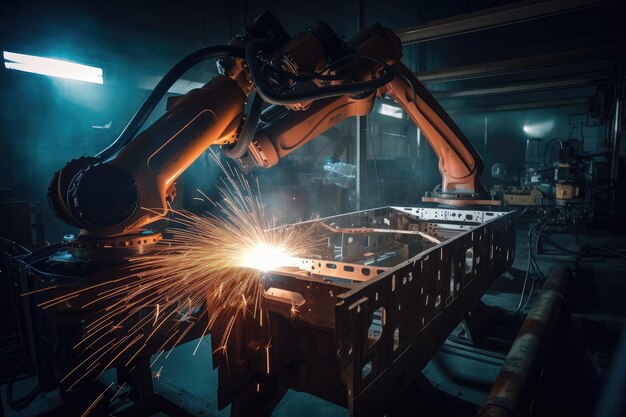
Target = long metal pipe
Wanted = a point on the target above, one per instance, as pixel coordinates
(492, 17)
(616, 131)
(505, 398)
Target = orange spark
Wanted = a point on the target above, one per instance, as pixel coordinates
(210, 268)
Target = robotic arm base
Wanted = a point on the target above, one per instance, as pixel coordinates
(462, 200)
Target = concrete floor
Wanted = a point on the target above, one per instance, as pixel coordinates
(460, 375)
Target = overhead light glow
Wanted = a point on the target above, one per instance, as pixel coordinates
(53, 67)
(538, 130)
(392, 111)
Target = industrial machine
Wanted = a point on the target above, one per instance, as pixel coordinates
(566, 182)
(312, 81)
(373, 307)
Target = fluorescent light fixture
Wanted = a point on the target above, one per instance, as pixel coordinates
(538, 130)
(392, 111)
(53, 67)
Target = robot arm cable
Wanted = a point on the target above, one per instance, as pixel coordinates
(162, 88)
(270, 95)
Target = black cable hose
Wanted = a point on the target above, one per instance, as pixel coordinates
(13, 247)
(381, 63)
(20, 403)
(267, 92)
(548, 150)
(162, 88)
(319, 76)
(305, 76)
(247, 131)
(540, 274)
(530, 265)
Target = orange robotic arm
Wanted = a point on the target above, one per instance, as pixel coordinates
(460, 165)
(314, 79)
(132, 188)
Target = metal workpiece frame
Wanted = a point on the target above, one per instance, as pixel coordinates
(361, 343)
(354, 323)
(422, 301)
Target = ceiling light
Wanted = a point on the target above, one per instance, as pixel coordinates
(389, 110)
(538, 130)
(52, 67)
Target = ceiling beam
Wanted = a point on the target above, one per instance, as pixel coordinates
(575, 101)
(525, 87)
(515, 65)
(509, 14)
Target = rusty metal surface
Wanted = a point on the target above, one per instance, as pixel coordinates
(360, 343)
(506, 396)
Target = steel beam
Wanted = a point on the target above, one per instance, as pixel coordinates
(524, 87)
(518, 106)
(493, 17)
(361, 141)
(508, 66)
